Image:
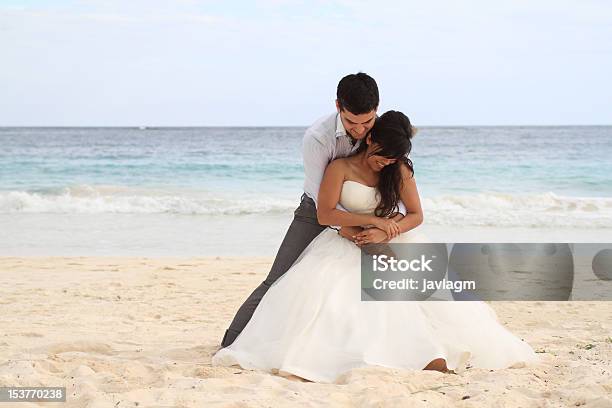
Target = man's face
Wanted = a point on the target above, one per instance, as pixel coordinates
(357, 126)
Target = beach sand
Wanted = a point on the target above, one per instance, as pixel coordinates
(126, 332)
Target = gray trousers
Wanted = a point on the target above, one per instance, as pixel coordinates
(303, 229)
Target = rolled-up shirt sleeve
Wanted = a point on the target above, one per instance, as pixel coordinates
(316, 157)
(401, 208)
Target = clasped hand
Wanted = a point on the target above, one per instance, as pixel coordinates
(384, 230)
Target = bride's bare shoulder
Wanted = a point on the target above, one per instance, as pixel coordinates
(339, 164)
(406, 172)
(338, 168)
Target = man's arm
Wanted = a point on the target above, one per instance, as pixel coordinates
(373, 235)
(316, 156)
(351, 232)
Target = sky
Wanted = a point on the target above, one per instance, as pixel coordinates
(278, 62)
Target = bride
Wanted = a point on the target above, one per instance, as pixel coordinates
(312, 323)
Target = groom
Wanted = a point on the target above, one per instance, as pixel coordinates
(332, 136)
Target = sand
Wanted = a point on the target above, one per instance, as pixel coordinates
(126, 332)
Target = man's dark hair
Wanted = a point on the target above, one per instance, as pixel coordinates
(358, 93)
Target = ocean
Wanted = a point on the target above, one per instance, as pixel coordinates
(232, 190)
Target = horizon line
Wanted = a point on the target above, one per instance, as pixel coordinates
(144, 127)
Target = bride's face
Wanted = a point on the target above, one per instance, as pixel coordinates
(376, 162)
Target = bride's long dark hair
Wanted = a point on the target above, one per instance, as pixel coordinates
(392, 132)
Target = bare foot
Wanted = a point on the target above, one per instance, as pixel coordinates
(439, 364)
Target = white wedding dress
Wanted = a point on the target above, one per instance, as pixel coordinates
(313, 324)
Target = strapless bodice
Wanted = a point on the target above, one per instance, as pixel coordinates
(359, 198)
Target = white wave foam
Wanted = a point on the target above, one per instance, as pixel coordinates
(484, 209)
(115, 199)
(524, 210)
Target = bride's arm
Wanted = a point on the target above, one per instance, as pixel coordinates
(410, 197)
(413, 218)
(329, 196)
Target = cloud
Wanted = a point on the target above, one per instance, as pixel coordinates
(277, 62)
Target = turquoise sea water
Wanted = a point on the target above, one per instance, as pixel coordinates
(52, 179)
(572, 161)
